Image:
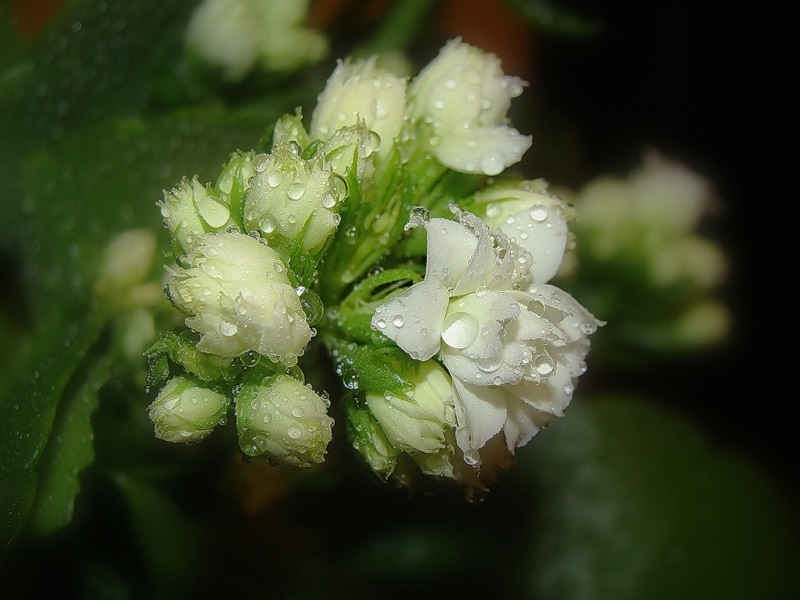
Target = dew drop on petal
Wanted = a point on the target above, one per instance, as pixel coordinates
(460, 329)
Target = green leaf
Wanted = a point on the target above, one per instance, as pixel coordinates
(69, 451)
(635, 502)
(167, 539)
(28, 411)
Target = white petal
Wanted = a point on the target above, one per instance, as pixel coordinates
(487, 150)
(480, 414)
(542, 231)
(482, 265)
(414, 318)
(503, 368)
(523, 422)
(450, 248)
(551, 395)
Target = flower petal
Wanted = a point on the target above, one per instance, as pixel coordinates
(480, 414)
(414, 318)
(523, 422)
(450, 248)
(542, 231)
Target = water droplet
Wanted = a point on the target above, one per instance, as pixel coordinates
(328, 200)
(538, 214)
(492, 162)
(380, 324)
(267, 223)
(460, 329)
(294, 432)
(398, 321)
(274, 178)
(296, 190)
(260, 163)
(228, 329)
(297, 412)
(472, 457)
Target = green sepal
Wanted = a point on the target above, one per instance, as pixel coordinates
(180, 348)
(368, 438)
(362, 366)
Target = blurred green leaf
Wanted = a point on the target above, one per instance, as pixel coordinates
(70, 449)
(637, 503)
(168, 540)
(557, 17)
(28, 411)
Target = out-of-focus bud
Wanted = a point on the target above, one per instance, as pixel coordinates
(184, 411)
(236, 35)
(237, 294)
(284, 421)
(294, 198)
(123, 270)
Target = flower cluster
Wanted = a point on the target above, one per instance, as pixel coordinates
(375, 235)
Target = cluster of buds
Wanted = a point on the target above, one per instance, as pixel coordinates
(381, 232)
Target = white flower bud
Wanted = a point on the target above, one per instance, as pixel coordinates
(531, 217)
(235, 35)
(190, 209)
(184, 411)
(370, 440)
(419, 421)
(361, 92)
(238, 295)
(464, 96)
(124, 267)
(283, 420)
(293, 197)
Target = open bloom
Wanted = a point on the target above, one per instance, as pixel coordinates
(513, 345)
(238, 296)
(464, 96)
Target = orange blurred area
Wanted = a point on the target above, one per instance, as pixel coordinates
(31, 16)
(488, 24)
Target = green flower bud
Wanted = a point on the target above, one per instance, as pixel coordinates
(283, 420)
(238, 296)
(293, 197)
(234, 181)
(420, 420)
(191, 209)
(370, 441)
(187, 412)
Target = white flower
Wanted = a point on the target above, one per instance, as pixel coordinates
(294, 197)
(235, 35)
(184, 411)
(361, 92)
(239, 297)
(513, 345)
(191, 209)
(283, 420)
(464, 96)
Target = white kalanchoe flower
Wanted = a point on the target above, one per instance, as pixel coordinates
(283, 420)
(419, 421)
(236, 35)
(531, 217)
(238, 295)
(191, 209)
(464, 97)
(290, 196)
(514, 346)
(360, 92)
(185, 411)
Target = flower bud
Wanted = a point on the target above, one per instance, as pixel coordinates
(186, 412)
(419, 420)
(370, 440)
(293, 197)
(464, 96)
(361, 92)
(283, 420)
(191, 209)
(235, 35)
(239, 297)
(531, 217)
(124, 266)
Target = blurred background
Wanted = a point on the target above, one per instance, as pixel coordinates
(673, 475)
